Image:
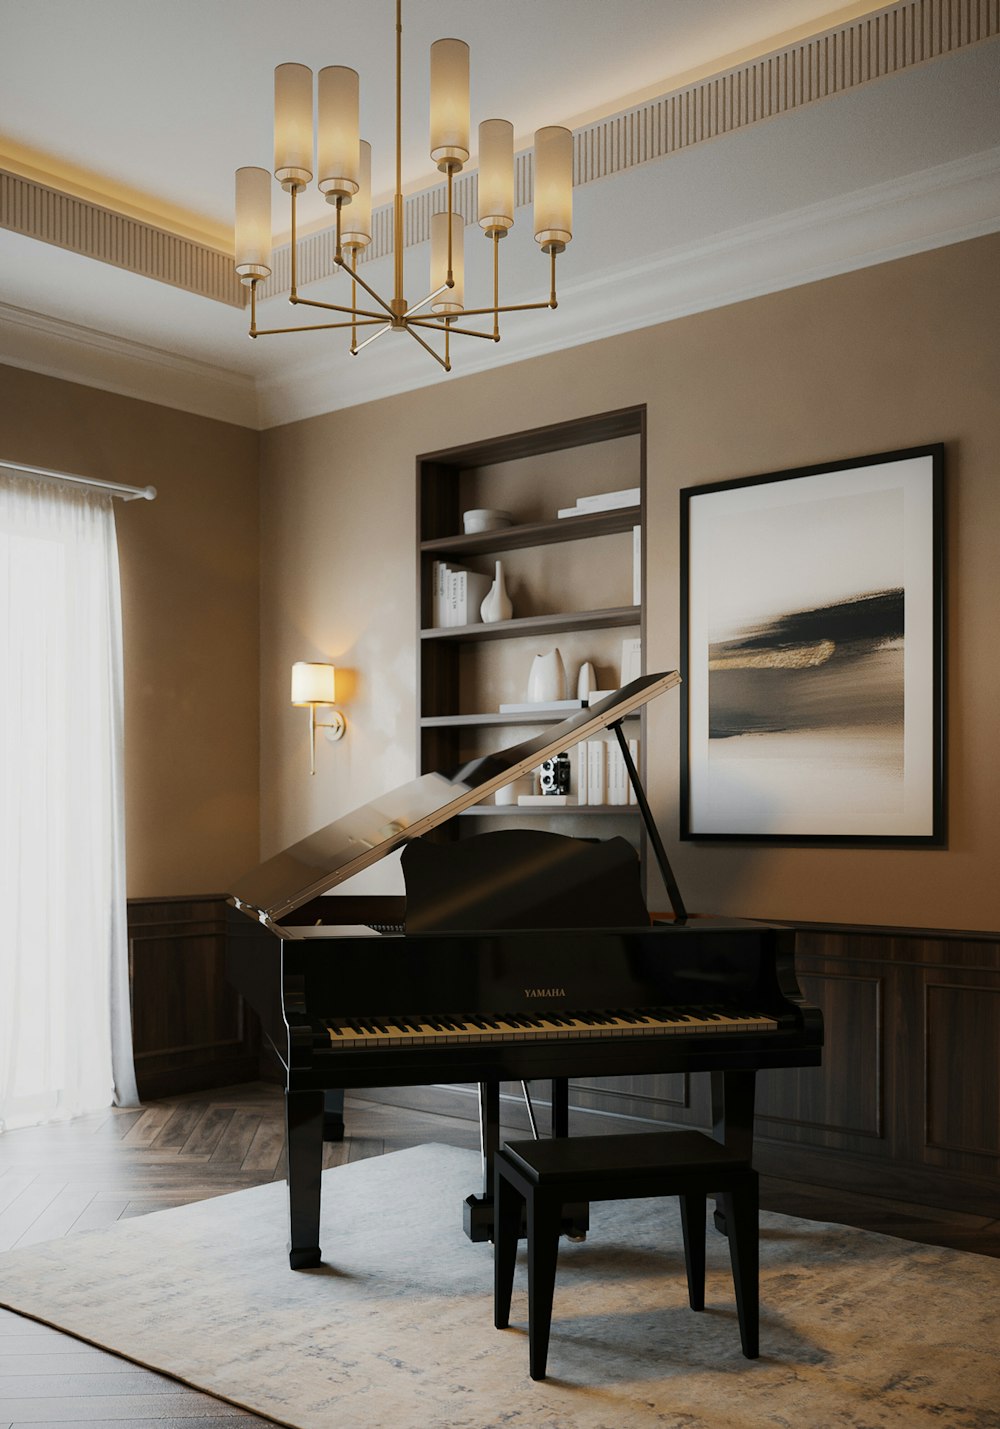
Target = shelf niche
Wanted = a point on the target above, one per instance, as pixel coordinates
(575, 597)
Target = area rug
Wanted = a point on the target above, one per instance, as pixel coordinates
(395, 1328)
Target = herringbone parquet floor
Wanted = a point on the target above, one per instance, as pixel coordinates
(62, 1180)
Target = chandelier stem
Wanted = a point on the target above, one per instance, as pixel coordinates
(552, 282)
(293, 295)
(450, 277)
(496, 285)
(354, 295)
(253, 307)
(338, 254)
(398, 199)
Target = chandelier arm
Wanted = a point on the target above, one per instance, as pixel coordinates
(356, 350)
(410, 328)
(315, 327)
(424, 301)
(449, 327)
(370, 291)
(505, 308)
(341, 308)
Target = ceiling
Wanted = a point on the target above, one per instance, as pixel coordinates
(146, 109)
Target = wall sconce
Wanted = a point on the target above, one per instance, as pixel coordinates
(313, 684)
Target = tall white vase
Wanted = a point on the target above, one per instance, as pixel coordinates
(496, 603)
(547, 678)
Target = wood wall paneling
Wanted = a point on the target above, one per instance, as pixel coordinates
(190, 1029)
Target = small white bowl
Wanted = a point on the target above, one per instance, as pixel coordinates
(485, 520)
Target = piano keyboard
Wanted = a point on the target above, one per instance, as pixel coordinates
(652, 1022)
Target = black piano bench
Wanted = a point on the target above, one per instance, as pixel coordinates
(543, 1175)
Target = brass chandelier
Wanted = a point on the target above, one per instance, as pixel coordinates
(343, 173)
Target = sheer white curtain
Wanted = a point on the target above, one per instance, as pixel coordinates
(65, 1028)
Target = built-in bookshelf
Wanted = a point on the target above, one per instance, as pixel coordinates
(573, 582)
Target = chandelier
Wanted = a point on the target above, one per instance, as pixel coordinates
(342, 170)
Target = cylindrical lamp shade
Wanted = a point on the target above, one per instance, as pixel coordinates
(496, 175)
(452, 300)
(357, 216)
(253, 224)
(449, 103)
(337, 138)
(293, 125)
(313, 683)
(553, 187)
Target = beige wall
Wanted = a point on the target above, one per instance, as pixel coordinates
(889, 357)
(189, 592)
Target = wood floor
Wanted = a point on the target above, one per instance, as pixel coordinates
(61, 1180)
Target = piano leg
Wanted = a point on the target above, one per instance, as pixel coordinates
(478, 1210)
(304, 1127)
(576, 1218)
(733, 1095)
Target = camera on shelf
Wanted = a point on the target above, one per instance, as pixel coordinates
(553, 776)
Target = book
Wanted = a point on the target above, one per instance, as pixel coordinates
(609, 500)
(544, 707)
(580, 773)
(534, 801)
(466, 591)
(617, 778)
(633, 750)
(596, 749)
(636, 566)
(631, 659)
(439, 593)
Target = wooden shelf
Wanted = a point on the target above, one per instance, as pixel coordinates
(608, 619)
(538, 533)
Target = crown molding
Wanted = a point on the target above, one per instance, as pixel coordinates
(947, 204)
(75, 353)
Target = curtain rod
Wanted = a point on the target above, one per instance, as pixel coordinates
(127, 493)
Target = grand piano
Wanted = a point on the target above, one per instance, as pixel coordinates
(516, 955)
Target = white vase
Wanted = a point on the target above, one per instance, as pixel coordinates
(547, 678)
(586, 680)
(496, 603)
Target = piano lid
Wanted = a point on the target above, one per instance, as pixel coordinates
(335, 853)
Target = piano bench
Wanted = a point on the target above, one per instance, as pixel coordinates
(540, 1176)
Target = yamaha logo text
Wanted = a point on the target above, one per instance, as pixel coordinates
(545, 992)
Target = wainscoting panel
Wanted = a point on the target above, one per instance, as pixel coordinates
(190, 1030)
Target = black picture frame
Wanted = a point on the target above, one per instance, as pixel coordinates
(812, 654)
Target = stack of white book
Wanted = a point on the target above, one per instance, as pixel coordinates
(457, 594)
(602, 501)
(600, 773)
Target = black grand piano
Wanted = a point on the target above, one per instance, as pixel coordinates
(515, 956)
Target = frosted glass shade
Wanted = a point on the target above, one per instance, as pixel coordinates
(553, 187)
(496, 175)
(337, 141)
(293, 125)
(253, 224)
(449, 103)
(452, 300)
(313, 683)
(357, 216)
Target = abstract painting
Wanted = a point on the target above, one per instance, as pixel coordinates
(812, 653)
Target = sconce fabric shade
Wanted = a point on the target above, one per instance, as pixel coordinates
(452, 300)
(496, 175)
(313, 683)
(253, 223)
(357, 217)
(553, 187)
(293, 124)
(337, 141)
(449, 103)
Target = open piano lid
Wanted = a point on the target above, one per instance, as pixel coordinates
(363, 837)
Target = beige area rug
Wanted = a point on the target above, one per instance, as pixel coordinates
(396, 1330)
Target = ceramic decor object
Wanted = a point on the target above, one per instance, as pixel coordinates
(496, 604)
(485, 519)
(547, 678)
(586, 680)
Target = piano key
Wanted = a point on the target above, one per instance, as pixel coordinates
(438, 1031)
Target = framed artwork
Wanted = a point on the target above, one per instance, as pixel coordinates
(811, 634)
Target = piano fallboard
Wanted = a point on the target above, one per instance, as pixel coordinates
(301, 985)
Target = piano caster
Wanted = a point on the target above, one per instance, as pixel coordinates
(305, 1257)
